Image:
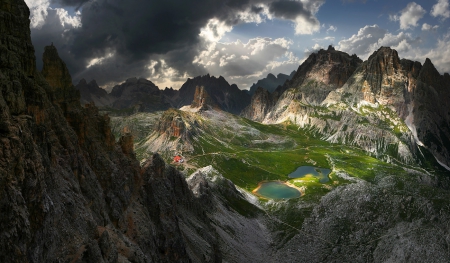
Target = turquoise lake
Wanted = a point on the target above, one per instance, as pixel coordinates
(277, 190)
(321, 173)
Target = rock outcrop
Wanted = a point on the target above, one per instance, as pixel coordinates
(54, 70)
(262, 101)
(202, 100)
(228, 97)
(69, 192)
(321, 73)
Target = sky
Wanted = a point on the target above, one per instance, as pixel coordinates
(168, 41)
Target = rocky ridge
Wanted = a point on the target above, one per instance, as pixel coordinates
(228, 97)
(141, 95)
(202, 100)
(379, 105)
(70, 192)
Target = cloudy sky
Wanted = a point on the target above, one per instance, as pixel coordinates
(168, 41)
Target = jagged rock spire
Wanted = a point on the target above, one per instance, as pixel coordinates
(55, 70)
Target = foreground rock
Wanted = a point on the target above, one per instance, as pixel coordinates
(69, 191)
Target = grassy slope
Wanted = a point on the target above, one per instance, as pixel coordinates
(247, 153)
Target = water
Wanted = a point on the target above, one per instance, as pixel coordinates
(303, 171)
(276, 190)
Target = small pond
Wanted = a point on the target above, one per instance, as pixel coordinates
(306, 171)
(276, 190)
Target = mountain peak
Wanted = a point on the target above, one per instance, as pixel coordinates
(131, 80)
(55, 70)
(384, 60)
(331, 48)
(271, 76)
(386, 52)
(429, 73)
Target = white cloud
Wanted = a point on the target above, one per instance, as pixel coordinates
(304, 26)
(245, 63)
(215, 30)
(370, 38)
(164, 75)
(38, 12)
(439, 55)
(328, 38)
(427, 27)
(441, 8)
(100, 60)
(317, 47)
(362, 42)
(332, 28)
(67, 20)
(409, 16)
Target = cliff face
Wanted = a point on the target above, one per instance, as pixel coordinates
(315, 78)
(202, 100)
(228, 97)
(321, 73)
(69, 192)
(417, 94)
(262, 101)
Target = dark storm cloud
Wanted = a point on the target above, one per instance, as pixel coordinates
(288, 9)
(75, 3)
(53, 32)
(138, 31)
(256, 9)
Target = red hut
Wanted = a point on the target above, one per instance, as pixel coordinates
(178, 159)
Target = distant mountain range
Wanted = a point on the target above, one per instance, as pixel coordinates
(270, 83)
(141, 95)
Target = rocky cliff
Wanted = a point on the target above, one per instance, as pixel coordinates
(262, 101)
(69, 192)
(383, 105)
(141, 95)
(417, 95)
(202, 100)
(228, 97)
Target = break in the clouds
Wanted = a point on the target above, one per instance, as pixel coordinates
(247, 62)
(409, 16)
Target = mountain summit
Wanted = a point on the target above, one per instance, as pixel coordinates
(342, 98)
(228, 97)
